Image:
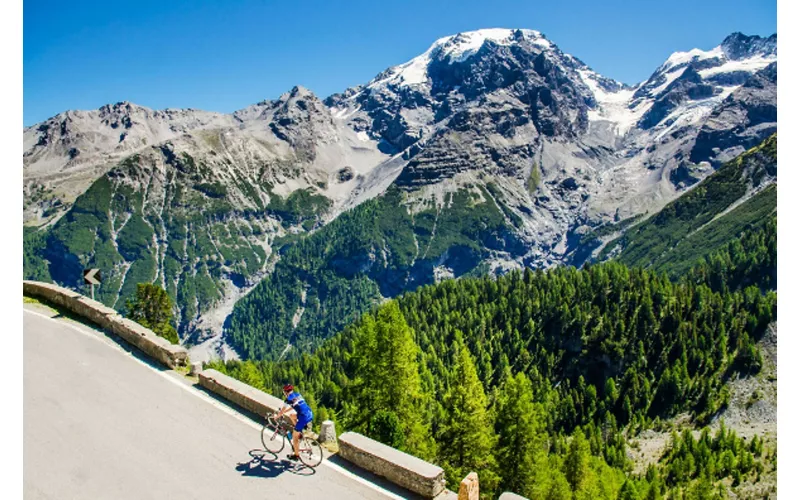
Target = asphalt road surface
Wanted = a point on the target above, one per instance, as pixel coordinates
(100, 423)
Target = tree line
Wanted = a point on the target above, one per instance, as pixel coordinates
(534, 379)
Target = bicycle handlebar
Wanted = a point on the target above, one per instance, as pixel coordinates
(283, 423)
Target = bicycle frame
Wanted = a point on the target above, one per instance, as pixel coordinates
(307, 445)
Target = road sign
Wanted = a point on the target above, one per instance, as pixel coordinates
(92, 276)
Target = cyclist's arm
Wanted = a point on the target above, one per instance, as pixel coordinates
(286, 409)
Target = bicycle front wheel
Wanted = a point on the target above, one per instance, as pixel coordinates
(271, 437)
(310, 452)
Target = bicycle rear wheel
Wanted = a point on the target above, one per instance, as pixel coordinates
(310, 452)
(271, 437)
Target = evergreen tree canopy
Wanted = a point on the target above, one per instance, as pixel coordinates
(522, 435)
(387, 392)
(152, 308)
(466, 438)
(567, 362)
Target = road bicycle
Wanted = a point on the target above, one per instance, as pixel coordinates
(275, 433)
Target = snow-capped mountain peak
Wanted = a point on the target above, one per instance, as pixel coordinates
(495, 116)
(686, 87)
(752, 52)
(455, 48)
(682, 59)
(463, 45)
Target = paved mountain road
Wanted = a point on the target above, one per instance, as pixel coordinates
(99, 423)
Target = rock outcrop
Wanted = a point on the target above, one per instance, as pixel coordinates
(503, 119)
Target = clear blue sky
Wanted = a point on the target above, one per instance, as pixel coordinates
(222, 56)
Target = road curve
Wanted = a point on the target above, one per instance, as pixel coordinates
(99, 423)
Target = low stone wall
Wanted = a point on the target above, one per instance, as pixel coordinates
(400, 468)
(134, 333)
(403, 469)
(247, 397)
(157, 347)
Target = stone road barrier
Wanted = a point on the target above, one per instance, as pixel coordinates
(405, 470)
(143, 338)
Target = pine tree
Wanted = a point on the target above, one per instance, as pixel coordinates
(654, 490)
(385, 426)
(153, 309)
(559, 488)
(701, 490)
(466, 439)
(248, 373)
(365, 396)
(388, 391)
(522, 440)
(576, 463)
(628, 492)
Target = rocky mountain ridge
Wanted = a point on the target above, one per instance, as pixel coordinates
(499, 119)
(510, 104)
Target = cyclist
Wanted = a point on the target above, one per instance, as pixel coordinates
(299, 413)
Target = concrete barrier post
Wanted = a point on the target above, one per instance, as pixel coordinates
(469, 487)
(327, 432)
(327, 436)
(196, 368)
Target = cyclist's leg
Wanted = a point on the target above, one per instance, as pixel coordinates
(291, 416)
(296, 443)
(300, 425)
(295, 435)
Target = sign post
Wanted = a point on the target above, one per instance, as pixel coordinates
(92, 277)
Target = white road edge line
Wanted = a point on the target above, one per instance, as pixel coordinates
(208, 399)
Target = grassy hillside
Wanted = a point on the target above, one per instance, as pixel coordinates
(697, 223)
(379, 249)
(749, 260)
(752, 214)
(172, 220)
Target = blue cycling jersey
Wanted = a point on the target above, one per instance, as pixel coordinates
(299, 405)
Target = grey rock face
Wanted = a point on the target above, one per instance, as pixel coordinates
(65, 154)
(198, 212)
(503, 103)
(563, 147)
(739, 46)
(403, 102)
(688, 86)
(746, 117)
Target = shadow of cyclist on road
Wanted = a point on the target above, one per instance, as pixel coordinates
(267, 464)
